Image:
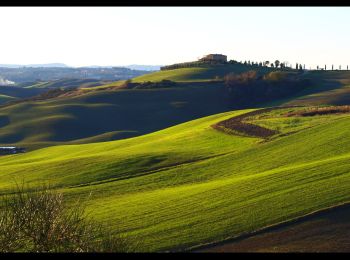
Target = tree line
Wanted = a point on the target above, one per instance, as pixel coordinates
(277, 64)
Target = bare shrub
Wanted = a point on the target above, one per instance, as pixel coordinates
(40, 221)
(320, 111)
(276, 76)
(232, 78)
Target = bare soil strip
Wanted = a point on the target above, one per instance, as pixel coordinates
(237, 125)
(323, 231)
(313, 111)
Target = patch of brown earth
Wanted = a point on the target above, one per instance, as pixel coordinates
(236, 124)
(320, 111)
(327, 231)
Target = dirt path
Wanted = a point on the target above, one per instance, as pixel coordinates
(325, 231)
(236, 124)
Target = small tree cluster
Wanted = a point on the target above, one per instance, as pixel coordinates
(245, 77)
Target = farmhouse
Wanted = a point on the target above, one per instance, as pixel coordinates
(4, 150)
(214, 57)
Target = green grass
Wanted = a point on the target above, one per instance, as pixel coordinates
(190, 184)
(70, 83)
(198, 74)
(11, 93)
(329, 88)
(105, 115)
(5, 98)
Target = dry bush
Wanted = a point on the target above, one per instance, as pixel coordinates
(232, 78)
(320, 111)
(40, 221)
(275, 76)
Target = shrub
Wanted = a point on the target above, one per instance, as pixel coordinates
(275, 76)
(40, 221)
(245, 77)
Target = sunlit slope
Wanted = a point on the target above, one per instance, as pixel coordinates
(195, 74)
(190, 184)
(105, 115)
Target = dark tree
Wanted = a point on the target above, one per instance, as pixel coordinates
(277, 63)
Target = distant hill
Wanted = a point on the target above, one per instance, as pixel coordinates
(46, 65)
(144, 67)
(37, 74)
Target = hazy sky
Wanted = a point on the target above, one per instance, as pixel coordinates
(80, 36)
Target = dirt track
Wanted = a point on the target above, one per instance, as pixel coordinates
(325, 231)
(236, 123)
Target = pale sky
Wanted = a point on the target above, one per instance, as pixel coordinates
(82, 36)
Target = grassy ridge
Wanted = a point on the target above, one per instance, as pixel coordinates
(105, 115)
(330, 88)
(199, 74)
(11, 93)
(69, 83)
(190, 184)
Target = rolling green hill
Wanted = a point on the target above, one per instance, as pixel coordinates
(330, 88)
(5, 98)
(101, 114)
(199, 74)
(191, 184)
(106, 115)
(11, 93)
(69, 83)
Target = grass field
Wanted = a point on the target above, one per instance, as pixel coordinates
(191, 184)
(330, 88)
(188, 184)
(198, 74)
(105, 115)
(95, 114)
(11, 93)
(5, 98)
(69, 83)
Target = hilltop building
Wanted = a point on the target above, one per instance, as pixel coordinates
(214, 57)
